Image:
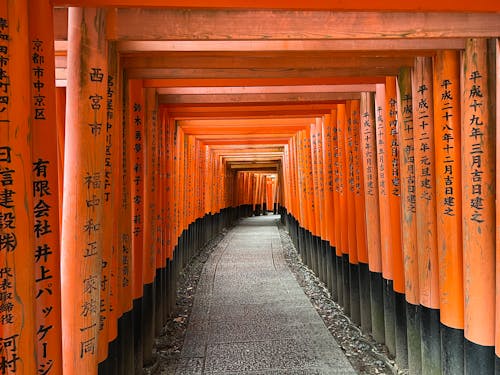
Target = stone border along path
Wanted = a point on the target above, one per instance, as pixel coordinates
(250, 316)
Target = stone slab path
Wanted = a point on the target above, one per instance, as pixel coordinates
(250, 316)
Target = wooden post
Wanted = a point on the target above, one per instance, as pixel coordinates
(349, 138)
(149, 218)
(408, 222)
(60, 123)
(82, 233)
(447, 122)
(478, 183)
(343, 205)
(383, 170)
(369, 156)
(45, 189)
(17, 317)
(136, 120)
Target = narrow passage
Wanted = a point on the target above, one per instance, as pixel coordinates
(250, 316)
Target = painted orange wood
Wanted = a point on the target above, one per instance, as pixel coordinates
(82, 226)
(18, 330)
(384, 172)
(359, 187)
(328, 168)
(447, 120)
(349, 163)
(342, 177)
(394, 182)
(408, 188)
(45, 189)
(369, 159)
(478, 168)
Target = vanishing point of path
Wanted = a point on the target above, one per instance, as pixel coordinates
(250, 316)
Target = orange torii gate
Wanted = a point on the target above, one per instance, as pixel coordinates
(144, 185)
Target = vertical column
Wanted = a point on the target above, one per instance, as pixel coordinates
(82, 234)
(369, 156)
(383, 170)
(359, 201)
(136, 142)
(423, 119)
(393, 149)
(329, 200)
(496, 49)
(60, 123)
(17, 289)
(351, 216)
(149, 220)
(478, 183)
(447, 136)
(408, 222)
(45, 189)
(342, 168)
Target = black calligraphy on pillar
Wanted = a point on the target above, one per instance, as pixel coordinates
(424, 143)
(4, 74)
(448, 173)
(393, 124)
(368, 152)
(137, 169)
(408, 151)
(475, 131)
(380, 135)
(38, 79)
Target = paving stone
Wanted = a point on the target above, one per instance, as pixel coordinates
(250, 316)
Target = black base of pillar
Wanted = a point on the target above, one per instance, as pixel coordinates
(364, 297)
(345, 285)
(400, 331)
(333, 267)
(452, 350)
(414, 338)
(389, 319)
(148, 319)
(377, 306)
(431, 341)
(340, 279)
(354, 293)
(479, 359)
(138, 345)
(126, 364)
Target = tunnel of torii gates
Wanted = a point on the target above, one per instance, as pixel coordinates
(131, 136)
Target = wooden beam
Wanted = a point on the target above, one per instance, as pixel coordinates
(288, 45)
(259, 81)
(379, 70)
(339, 5)
(258, 98)
(223, 24)
(140, 24)
(271, 60)
(264, 89)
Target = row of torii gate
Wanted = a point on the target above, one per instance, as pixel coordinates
(106, 192)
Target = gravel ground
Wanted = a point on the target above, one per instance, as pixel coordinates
(365, 355)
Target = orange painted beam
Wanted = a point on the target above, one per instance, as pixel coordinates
(338, 5)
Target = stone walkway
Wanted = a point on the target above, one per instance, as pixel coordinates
(251, 317)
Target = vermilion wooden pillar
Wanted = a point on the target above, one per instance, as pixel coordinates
(353, 270)
(478, 184)
(447, 122)
(60, 123)
(150, 134)
(408, 220)
(125, 270)
(369, 158)
(82, 230)
(497, 118)
(383, 162)
(359, 202)
(45, 188)
(423, 120)
(18, 330)
(136, 125)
